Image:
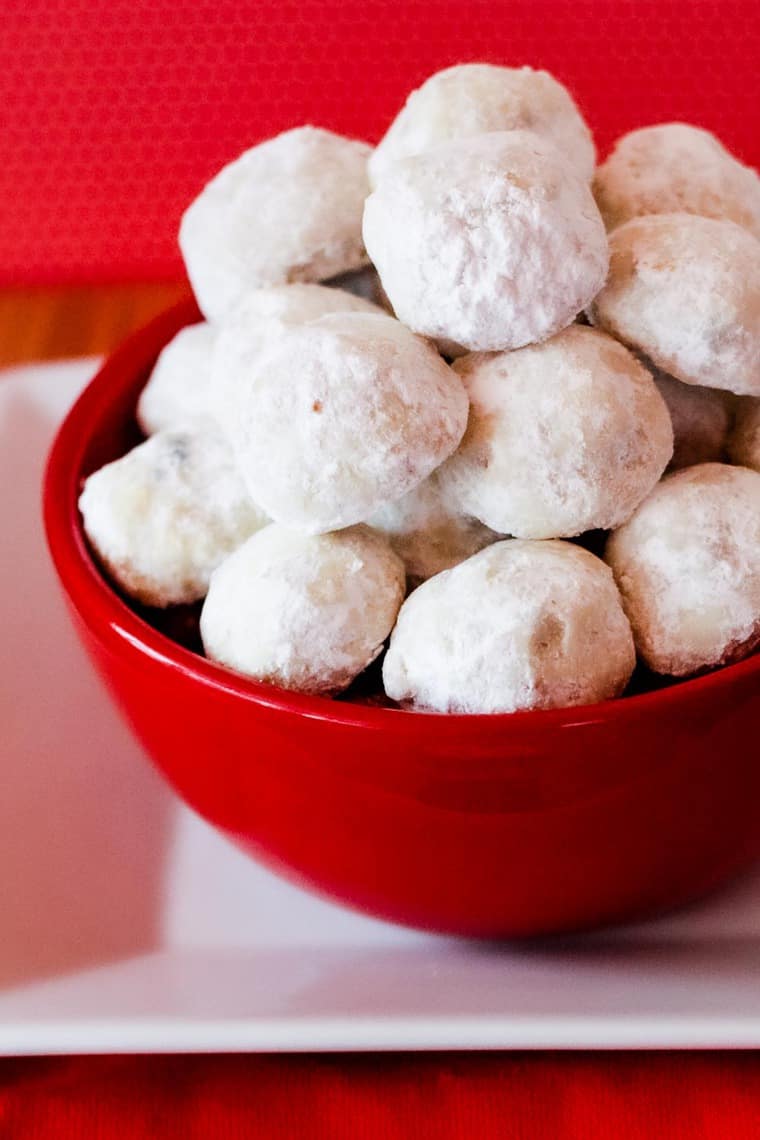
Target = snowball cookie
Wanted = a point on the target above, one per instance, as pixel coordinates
(165, 515)
(563, 437)
(490, 243)
(700, 418)
(179, 388)
(688, 567)
(177, 391)
(686, 292)
(307, 612)
(475, 98)
(675, 167)
(428, 533)
(744, 440)
(334, 418)
(521, 625)
(289, 209)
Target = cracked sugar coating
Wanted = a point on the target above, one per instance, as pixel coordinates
(744, 440)
(688, 568)
(476, 98)
(307, 612)
(177, 391)
(337, 417)
(289, 209)
(488, 243)
(428, 533)
(700, 418)
(674, 167)
(521, 625)
(164, 516)
(685, 291)
(563, 437)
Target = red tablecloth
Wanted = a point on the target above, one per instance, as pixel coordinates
(693, 1096)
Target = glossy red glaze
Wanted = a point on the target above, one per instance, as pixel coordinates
(488, 826)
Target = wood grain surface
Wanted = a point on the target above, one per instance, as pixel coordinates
(81, 320)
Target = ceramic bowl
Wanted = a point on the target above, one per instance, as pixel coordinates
(488, 826)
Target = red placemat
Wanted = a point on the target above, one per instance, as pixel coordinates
(509, 1096)
(115, 114)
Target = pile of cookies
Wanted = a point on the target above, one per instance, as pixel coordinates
(429, 376)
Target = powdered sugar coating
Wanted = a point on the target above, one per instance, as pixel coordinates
(264, 315)
(521, 625)
(177, 391)
(685, 291)
(744, 440)
(562, 437)
(688, 568)
(475, 98)
(428, 533)
(179, 388)
(337, 417)
(304, 612)
(286, 210)
(297, 304)
(164, 516)
(675, 167)
(700, 418)
(487, 243)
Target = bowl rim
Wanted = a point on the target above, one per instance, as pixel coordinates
(121, 630)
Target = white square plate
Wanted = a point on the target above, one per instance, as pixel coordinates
(127, 924)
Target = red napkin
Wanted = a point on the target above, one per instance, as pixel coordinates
(522, 1096)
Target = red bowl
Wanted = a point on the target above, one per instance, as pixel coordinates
(490, 826)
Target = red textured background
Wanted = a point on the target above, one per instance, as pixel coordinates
(113, 113)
